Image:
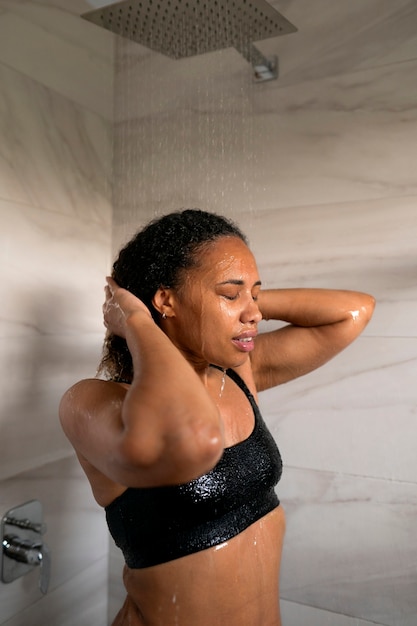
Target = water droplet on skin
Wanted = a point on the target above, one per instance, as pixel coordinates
(355, 315)
(223, 383)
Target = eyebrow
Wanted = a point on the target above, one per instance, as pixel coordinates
(236, 281)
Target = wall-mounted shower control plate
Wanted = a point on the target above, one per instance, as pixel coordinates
(21, 536)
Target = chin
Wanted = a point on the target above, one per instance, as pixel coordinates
(232, 362)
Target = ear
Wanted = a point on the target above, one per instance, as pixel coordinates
(163, 301)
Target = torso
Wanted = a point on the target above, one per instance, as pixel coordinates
(231, 584)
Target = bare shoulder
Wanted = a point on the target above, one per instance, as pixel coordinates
(92, 403)
(87, 399)
(88, 387)
(91, 390)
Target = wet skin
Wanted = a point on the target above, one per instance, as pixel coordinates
(233, 584)
(213, 319)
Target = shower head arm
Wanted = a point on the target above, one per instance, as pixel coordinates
(265, 69)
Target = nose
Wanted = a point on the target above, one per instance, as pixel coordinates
(251, 313)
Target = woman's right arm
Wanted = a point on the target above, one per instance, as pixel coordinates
(162, 429)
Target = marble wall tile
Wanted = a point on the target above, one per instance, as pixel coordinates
(55, 252)
(363, 245)
(55, 210)
(339, 37)
(82, 601)
(53, 268)
(322, 141)
(350, 545)
(50, 43)
(294, 614)
(35, 371)
(263, 147)
(355, 415)
(54, 155)
(51, 331)
(76, 535)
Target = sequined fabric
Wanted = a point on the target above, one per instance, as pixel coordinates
(158, 524)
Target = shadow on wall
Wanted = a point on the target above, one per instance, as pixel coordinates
(40, 361)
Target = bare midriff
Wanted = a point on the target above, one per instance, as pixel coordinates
(233, 584)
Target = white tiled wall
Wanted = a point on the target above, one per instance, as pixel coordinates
(319, 170)
(78, 542)
(55, 240)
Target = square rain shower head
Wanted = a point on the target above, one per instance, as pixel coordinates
(185, 28)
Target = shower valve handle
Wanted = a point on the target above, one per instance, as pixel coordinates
(31, 553)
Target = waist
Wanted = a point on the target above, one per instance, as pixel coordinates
(242, 575)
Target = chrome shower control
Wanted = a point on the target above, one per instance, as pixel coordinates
(23, 548)
(25, 523)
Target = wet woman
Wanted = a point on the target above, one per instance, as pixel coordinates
(172, 441)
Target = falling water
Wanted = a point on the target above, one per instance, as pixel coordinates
(223, 383)
(183, 138)
(183, 134)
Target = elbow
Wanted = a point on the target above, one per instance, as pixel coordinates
(365, 310)
(371, 306)
(138, 452)
(193, 450)
(201, 449)
(172, 458)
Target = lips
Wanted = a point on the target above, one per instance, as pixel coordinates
(245, 342)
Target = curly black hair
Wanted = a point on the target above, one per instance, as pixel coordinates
(155, 257)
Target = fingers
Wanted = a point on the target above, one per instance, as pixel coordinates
(109, 302)
(111, 284)
(120, 300)
(109, 290)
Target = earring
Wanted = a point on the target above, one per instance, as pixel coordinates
(164, 316)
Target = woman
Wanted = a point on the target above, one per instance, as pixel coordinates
(173, 443)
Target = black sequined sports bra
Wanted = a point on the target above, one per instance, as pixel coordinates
(154, 525)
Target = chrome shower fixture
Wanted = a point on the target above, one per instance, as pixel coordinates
(185, 28)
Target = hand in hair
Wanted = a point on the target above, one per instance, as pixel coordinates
(118, 306)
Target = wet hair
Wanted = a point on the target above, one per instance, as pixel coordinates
(158, 256)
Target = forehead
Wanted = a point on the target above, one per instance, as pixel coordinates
(228, 256)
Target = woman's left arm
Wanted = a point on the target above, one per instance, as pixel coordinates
(321, 323)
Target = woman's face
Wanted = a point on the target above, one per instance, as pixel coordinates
(216, 313)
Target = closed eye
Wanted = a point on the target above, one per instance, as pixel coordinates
(239, 284)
